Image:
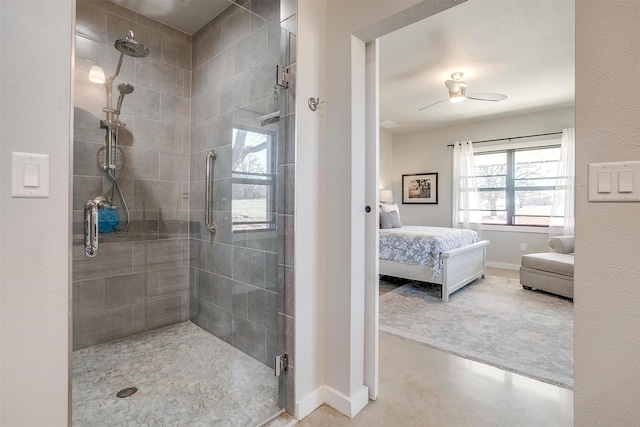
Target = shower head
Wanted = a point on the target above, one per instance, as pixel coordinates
(128, 46)
(124, 89)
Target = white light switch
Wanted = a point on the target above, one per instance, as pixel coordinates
(29, 175)
(625, 182)
(604, 182)
(614, 182)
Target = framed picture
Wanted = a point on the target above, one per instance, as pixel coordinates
(420, 188)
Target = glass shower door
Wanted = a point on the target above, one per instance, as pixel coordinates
(239, 271)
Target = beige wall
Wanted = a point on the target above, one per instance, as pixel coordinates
(427, 151)
(607, 290)
(35, 46)
(386, 161)
(310, 202)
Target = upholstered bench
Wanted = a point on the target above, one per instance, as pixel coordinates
(552, 271)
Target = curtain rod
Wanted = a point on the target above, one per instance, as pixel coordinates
(513, 137)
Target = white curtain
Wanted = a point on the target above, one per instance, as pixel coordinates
(562, 219)
(465, 188)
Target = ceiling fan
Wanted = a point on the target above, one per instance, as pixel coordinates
(458, 92)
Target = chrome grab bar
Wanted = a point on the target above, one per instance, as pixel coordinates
(91, 228)
(211, 157)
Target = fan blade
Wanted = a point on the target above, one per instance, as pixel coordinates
(494, 97)
(430, 105)
(452, 85)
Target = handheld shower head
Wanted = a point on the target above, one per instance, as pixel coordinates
(124, 89)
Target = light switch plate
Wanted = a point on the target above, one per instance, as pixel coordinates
(623, 182)
(29, 175)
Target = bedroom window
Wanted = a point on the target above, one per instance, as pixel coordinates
(253, 180)
(515, 186)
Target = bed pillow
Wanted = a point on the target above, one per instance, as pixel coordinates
(390, 220)
(389, 207)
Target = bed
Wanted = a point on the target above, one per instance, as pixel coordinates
(449, 257)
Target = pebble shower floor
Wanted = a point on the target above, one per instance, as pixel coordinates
(184, 375)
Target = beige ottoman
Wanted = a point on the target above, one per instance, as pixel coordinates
(551, 271)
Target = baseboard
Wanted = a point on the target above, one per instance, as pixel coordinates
(349, 406)
(503, 265)
(310, 403)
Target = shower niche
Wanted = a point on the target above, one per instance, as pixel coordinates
(193, 168)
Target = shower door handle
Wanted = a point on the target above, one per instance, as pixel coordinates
(211, 157)
(91, 228)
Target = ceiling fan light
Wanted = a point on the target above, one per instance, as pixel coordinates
(460, 95)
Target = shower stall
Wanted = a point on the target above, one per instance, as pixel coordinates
(183, 216)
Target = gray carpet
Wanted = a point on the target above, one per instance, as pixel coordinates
(491, 320)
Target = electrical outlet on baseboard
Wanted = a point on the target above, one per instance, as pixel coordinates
(523, 246)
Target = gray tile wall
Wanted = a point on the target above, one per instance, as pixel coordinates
(251, 303)
(189, 94)
(242, 282)
(140, 278)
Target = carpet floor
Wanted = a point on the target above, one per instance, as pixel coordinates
(492, 320)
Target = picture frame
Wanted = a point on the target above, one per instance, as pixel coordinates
(420, 188)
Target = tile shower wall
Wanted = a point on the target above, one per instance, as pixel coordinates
(242, 282)
(140, 278)
(167, 267)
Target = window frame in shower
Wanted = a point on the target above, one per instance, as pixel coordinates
(267, 179)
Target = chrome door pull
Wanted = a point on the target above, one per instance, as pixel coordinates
(91, 228)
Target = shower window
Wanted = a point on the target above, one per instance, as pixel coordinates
(253, 179)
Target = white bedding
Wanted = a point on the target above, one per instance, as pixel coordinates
(423, 245)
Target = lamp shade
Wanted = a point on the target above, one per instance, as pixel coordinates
(96, 74)
(386, 195)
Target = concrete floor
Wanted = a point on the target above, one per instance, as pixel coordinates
(421, 386)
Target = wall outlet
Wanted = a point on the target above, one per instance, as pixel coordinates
(523, 246)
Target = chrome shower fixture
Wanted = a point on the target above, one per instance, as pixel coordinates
(128, 46)
(124, 89)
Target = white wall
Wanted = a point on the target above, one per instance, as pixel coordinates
(35, 46)
(607, 278)
(386, 160)
(427, 151)
(310, 204)
(344, 194)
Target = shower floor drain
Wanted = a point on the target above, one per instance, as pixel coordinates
(126, 392)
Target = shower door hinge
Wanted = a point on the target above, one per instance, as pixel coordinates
(283, 76)
(281, 363)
